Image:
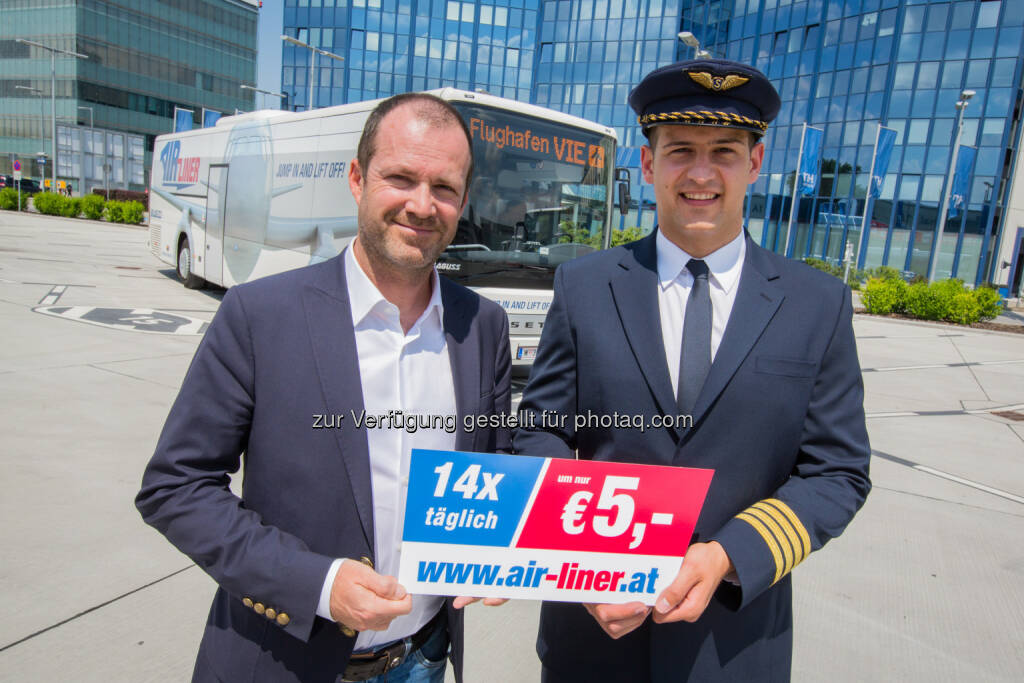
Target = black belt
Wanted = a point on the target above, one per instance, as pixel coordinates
(366, 665)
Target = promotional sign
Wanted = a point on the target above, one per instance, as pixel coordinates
(487, 525)
(958, 195)
(883, 152)
(808, 172)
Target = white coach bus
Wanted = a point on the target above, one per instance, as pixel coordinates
(267, 191)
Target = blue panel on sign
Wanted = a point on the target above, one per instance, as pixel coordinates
(467, 498)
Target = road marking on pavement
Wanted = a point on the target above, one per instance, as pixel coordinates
(134, 319)
(48, 260)
(946, 413)
(93, 608)
(950, 477)
(972, 484)
(901, 414)
(943, 365)
(53, 296)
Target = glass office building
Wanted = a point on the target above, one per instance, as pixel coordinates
(394, 46)
(143, 58)
(844, 66)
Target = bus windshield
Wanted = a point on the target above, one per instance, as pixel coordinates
(539, 197)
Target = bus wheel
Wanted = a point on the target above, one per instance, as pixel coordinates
(185, 267)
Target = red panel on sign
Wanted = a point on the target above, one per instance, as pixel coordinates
(616, 507)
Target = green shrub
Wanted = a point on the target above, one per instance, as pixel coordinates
(930, 302)
(92, 206)
(626, 235)
(115, 211)
(825, 266)
(963, 308)
(49, 203)
(883, 297)
(132, 212)
(950, 286)
(883, 273)
(9, 199)
(943, 300)
(990, 304)
(72, 207)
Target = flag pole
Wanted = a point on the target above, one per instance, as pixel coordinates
(868, 201)
(796, 180)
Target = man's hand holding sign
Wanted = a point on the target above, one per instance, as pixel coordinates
(540, 528)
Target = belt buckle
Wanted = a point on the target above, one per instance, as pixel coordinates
(396, 658)
(390, 657)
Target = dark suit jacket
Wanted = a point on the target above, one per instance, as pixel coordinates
(280, 351)
(780, 419)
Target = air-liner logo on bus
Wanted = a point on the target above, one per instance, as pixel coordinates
(179, 172)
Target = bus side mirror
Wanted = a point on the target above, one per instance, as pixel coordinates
(622, 181)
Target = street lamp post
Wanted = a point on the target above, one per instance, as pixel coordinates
(53, 95)
(313, 52)
(961, 106)
(281, 95)
(690, 40)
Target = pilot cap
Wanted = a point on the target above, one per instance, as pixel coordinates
(706, 92)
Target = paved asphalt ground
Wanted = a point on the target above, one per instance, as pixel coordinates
(926, 585)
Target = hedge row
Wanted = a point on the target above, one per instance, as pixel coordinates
(125, 196)
(91, 206)
(944, 300)
(9, 199)
(857, 276)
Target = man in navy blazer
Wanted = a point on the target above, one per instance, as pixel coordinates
(286, 367)
(755, 351)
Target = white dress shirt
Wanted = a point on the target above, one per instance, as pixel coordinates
(676, 281)
(408, 372)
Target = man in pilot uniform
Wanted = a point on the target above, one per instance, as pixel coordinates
(697, 319)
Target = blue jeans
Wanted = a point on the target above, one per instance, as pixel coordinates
(425, 665)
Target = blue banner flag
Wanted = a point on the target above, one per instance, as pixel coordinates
(210, 117)
(808, 172)
(958, 195)
(883, 152)
(182, 120)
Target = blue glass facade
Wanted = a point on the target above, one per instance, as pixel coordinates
(393, 46)
(843, 66)
(847, 67)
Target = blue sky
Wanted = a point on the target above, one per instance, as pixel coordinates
(268, 52)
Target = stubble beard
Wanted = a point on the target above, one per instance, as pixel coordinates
(389, 252)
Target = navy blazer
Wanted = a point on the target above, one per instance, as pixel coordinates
(780, 419)
(280, 351)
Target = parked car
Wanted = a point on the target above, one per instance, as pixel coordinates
(28, 186)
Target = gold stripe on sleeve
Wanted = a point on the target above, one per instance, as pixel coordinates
(799, 552)
(782, 537)
(793, 520)
(768, 539)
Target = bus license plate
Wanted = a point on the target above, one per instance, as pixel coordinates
(526, 353)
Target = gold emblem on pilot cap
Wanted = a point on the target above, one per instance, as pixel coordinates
(717, 83)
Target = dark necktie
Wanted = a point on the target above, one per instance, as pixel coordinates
(695, 351)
